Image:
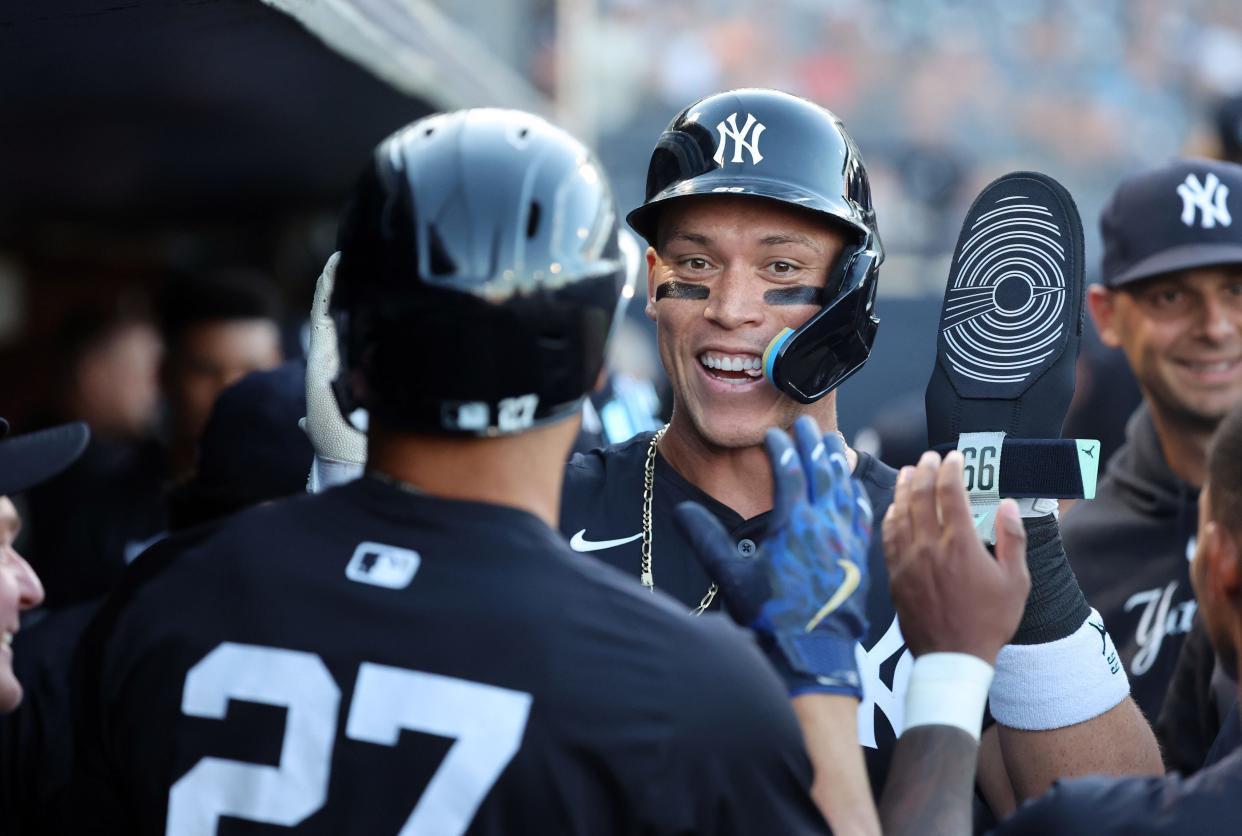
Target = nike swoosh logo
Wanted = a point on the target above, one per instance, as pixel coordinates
(852, 579)
(579, 543)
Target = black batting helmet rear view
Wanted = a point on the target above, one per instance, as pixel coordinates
(479, 276)
(775, 146)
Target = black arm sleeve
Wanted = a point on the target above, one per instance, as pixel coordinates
(1055, 607)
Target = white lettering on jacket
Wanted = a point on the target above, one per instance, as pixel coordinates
(1160, 618)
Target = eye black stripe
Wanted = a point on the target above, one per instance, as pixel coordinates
(681, 290)
(796, 295)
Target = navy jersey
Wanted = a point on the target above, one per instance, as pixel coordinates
(1207, 803)
(371, 660)
(601, 514)
(36, 748)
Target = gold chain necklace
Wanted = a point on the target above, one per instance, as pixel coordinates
(648, 493)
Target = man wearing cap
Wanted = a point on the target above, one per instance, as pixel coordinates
(25, 462)
(1171, 299)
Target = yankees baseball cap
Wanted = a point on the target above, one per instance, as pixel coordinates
(27, 460)
(1176, 217)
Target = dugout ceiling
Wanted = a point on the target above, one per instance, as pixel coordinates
(162, 111)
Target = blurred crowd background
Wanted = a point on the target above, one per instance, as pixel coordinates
(154, 151)
(941, 95)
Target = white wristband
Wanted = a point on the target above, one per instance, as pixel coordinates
(1060, 683)
(948, 689)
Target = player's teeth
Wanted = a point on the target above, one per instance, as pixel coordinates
(730, 362)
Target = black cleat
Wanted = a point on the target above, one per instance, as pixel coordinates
(1012, 316)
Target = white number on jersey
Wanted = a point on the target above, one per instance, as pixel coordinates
(488, 723)
(286, 794)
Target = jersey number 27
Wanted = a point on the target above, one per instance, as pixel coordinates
(486, 721)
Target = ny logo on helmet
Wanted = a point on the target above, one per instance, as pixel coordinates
(1208, 197)
(728, 130)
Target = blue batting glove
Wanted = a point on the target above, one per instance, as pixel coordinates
(804, 591)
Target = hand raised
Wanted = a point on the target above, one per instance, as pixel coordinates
(804, 591)
(951, 594)
(330, 434)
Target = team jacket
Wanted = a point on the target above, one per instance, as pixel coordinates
(601, 515)
(368, 659)
(1130, 548)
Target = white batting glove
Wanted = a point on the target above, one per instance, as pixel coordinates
(340, 450)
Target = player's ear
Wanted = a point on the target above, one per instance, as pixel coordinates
(1225, 563)
(1102, 302)
(652, 258)
(1215, 569)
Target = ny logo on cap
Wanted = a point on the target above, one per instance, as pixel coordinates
(1208, 197)
(729, 131)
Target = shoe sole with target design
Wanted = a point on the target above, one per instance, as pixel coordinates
(1012, 316)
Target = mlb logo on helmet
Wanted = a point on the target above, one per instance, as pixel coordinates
(470, 416)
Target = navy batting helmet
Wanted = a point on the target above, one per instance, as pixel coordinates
(775, 146)
(479, 276)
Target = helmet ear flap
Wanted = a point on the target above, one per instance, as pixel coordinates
(828, 348)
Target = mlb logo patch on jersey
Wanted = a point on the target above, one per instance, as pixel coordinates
(380, 565)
